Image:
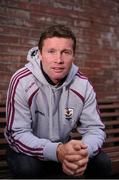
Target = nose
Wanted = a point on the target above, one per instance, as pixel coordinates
(59, 58)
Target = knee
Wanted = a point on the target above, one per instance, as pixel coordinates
(99, 167)
(103, 164)
(24, 171)
(22, 166)
(28, 169)
(20, 170)
(103, 161)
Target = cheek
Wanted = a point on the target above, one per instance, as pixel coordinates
(69, 63)
(43, 59)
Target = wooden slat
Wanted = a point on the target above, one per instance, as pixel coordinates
(2, 129)
(112, 131)
(112, 139)
(109, 106)
(2, 109)
(114, 155)
(2, 119)
(111, 122)
(3, 164)
(114, 160)
(111, 149)
(109, 114)
(2, 152)
(103, 101)
(3, 141)
(5, 174)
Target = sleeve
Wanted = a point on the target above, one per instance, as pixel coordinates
(91, 127)
(19, 132)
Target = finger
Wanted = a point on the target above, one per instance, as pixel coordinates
(73, 158)
(77, 159)
(83, 152)
(80, 170)
(67, 170)
(82, 162)
(78, 174)
(80, 145)
(83, 145)
(76, 144)
(72, 166)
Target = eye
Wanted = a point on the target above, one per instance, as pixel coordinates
(67, 52)
(52, 51)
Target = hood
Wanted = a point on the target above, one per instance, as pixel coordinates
(35, 67)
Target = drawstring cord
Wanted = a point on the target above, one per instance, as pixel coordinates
(50, 115)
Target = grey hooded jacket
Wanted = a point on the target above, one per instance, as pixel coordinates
(40, 115)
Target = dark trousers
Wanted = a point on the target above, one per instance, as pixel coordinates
(23, 166)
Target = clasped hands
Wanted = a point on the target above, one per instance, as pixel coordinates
(73, 156)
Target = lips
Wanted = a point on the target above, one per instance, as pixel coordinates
(58, 69)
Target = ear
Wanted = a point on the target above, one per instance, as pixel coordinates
(40, 56)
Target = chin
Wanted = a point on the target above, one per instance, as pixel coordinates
(59, 78)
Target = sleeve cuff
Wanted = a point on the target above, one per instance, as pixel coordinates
(50, 151)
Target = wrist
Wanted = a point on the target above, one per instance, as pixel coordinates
(60, 152)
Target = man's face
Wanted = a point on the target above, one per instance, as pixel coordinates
(57, 56)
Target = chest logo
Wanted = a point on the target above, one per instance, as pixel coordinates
(68, 113)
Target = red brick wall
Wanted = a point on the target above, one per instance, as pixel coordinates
(95, 23)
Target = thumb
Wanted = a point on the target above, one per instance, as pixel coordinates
(83, 145)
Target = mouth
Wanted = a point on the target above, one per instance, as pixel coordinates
(58, 69)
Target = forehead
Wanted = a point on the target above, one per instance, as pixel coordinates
(55, 42)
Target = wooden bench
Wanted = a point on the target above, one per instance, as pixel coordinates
(4, 170)
(109, 112)
(110, 116)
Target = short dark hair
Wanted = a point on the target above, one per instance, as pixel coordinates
(57, 30)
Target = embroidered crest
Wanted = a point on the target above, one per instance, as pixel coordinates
(68, 113)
